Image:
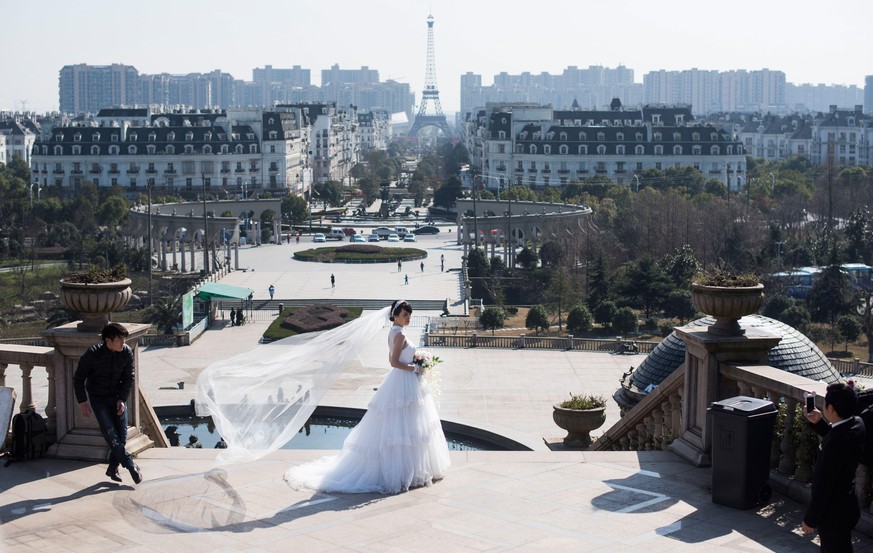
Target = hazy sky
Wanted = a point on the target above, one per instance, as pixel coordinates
(811, 41)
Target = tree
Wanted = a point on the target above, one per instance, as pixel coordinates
(165, 313)
(796, 316)
(849, 327)
(678, 304)
(625, 321)
(681, 266)
(605, 312)
(295, 210)
(527, 258)
(551, 253)
(776, 304)
(562, 291)
(645, 284)
(492, 318)
(579, 319)
(598, 285)
(448, 193)
(831, 295)
(537, 319)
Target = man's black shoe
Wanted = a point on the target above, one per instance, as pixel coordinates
(135, 473)
(112, 472)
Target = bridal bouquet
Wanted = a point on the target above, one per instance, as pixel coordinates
(426, 365)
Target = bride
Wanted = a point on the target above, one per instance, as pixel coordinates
(399, 443)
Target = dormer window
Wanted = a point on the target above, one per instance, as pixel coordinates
(59, 137)
(619, 136)
(95, 150)
(273, 135)
(547, 150)
(601, 149)
(113, 150)
(152, 137)
(563, 135)
(132, 137)
(239, 148)
(639, 150)
(582, 136)
(677, 137)
(114, 138)
(715, 150)
(189, 136)
(250, 136)
(207, 136)
(563, 149)
(95, 137)
(189, 149)
(639, 136)
(77, 150)
(695, 136)
(659, 150)
(522, 135)
(224, 148)
(601, 136)
(59, 150)
(677, 150)
(77, 137)
(170, 149)
(131, 149)
(253, 149)
(149, 149)
(171, 136)
(207, 149)
(658, 136)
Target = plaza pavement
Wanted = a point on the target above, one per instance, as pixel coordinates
(537, 500)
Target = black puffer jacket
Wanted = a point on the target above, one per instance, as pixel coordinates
(104, 373)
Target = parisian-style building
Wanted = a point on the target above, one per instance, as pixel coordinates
(843, 135)
(17, 136)
(239, 152)
(539, 147)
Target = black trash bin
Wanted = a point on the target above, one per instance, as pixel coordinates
(742, 431)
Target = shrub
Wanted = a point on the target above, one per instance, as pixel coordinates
(605, 312)
(98, 275)
(579, 319)
(625, 321)
(726, 278)
(537, 319)
(511, 310)
(492, 318)
(585, 401)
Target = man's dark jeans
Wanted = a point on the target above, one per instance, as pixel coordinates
(114, 429)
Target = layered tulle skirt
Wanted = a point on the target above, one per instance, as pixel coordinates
(399, 444)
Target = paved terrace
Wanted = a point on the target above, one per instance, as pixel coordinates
(537, 500)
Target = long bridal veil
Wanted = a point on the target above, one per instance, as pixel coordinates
(259, 400)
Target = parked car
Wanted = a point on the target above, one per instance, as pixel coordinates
(335, 234)
(373, 238)
(427, 229)
(409, 238)
(359, 238)
(401, 231)
(318, 237)
(382, 232)
(393, 238)
(349, 231)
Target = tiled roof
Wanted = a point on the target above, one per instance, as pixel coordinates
(795, 353)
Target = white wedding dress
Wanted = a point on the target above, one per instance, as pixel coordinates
(398, 445)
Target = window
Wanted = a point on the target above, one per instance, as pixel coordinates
(113, 181)
(601, 149)
(113, 150)
(619, 136)
(114, 138)
(95, 137)
(547, 150)
(170, 149)
(659, 150)
(563, 149)
(253, 149)
(677, 150)
(77, 137)
(77, 150)
(96, 181)
(677, 136)
(149, 149)
(639, 136)
(695, 149)
(224, 148)
(207, 182)
(533, 148)
(171, 136)
(95, 150)
(715, 150)
(189, 136)
(189, 149)
(619, 149)
(658, 136)
(563, 135)
(133, 183)
(239, 148)
(582, 136)
(272, 149)
(601, 136)
(131, 149)
(59, 151)
(639, 149)
(583, 150)
(695, 136)
(189, 182)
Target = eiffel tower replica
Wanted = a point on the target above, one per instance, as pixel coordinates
(430, 95)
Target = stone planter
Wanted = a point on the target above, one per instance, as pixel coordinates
(727, 305)
(95, 301)
(578, 423)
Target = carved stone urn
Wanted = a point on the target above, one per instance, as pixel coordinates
(578, 423)
(95, 301)
(727, 304)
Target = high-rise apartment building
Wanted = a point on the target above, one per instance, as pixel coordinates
(89, 88)
(868, 94)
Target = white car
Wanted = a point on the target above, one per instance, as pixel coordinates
(319, 237)
(393, 238)
(357, 238)
(409, 238)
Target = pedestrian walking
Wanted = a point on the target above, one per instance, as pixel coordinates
(422, 266)
(332, 281)
(406, 279)
(102, 383)
(271, 290)
(442, 262)
(232, 316)
(399, 265)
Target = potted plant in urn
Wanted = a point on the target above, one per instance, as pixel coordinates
(95, 293)
(579, 415)
(727, 297)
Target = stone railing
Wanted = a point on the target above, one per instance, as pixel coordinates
(526, 341)
(652, 423)
(26, 358)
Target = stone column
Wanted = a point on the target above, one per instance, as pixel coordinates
(79, 437)
(704, 352)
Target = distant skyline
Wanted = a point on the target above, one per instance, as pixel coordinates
(811, 42)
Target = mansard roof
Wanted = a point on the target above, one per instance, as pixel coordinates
(123, 112)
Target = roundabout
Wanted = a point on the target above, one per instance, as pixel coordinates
(359, 253)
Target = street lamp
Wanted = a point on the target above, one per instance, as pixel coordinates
(205, 228)
(149, 190)
(31, 193)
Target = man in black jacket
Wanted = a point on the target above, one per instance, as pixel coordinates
(834, 510)
(105, 377)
